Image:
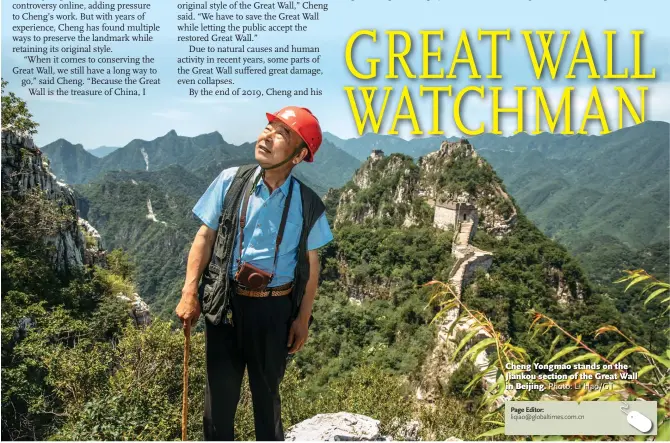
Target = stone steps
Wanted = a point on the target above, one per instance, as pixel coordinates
(464, 232)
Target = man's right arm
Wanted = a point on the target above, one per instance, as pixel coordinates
(198, 259)
(208, 209)
(189, 308)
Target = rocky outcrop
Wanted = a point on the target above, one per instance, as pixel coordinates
(565, 292)
(94, 249)
(382, 188)
(139, 310)
(337, 427)
(495, 221)
(343, 426)
(76, 243)
(370, 288)
(495, 209)
(25, 169)
(150, 215)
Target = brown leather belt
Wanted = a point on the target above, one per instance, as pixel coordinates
(276, 291)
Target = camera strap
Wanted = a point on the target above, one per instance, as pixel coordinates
(243, 219)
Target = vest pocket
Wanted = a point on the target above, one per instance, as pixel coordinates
(207, 293)
(214, 270)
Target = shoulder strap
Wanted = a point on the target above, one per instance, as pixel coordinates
(284, 216)
(243, 216)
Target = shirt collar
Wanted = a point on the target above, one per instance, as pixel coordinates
(284, 186)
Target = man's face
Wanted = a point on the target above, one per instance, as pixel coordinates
(275, 143)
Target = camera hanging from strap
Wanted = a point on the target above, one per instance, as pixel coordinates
(260, 278)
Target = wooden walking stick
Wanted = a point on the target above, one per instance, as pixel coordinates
(184, 405)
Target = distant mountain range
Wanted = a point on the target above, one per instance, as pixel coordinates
(332, 167)
(102, 151)
(362, 146)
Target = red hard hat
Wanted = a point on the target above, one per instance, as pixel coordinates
(302, 121)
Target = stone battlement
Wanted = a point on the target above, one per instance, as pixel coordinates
(376, 154)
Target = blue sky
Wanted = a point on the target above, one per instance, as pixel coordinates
(115, 121)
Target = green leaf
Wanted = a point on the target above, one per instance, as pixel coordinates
(518, 350)
(465, 340)
(655, 294)
(439, 315)
(456, 322)
(665, 362)
(644, 370)
(476, 349)
(614, 349)
(473, 381)
(589, 356)
(623, 279)
(553, 344)
(492, 432)
(635, 281)
(664, 432)
(562, 352)
(627, 352)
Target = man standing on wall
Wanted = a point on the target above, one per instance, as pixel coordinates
(257, 288)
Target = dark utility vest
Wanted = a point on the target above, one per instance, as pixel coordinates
(215, 287)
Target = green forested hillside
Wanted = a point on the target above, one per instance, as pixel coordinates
(367, 253)
(117, 205)
(53, 320)
(331, 168)
(189, 152)
(606, 198)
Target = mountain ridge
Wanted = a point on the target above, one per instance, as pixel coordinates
(329, 169)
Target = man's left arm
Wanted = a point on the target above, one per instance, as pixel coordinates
(319, 236)
(310, 290)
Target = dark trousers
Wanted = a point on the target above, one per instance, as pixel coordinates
(258, 340)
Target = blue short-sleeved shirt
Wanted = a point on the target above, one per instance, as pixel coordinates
(263, 219)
